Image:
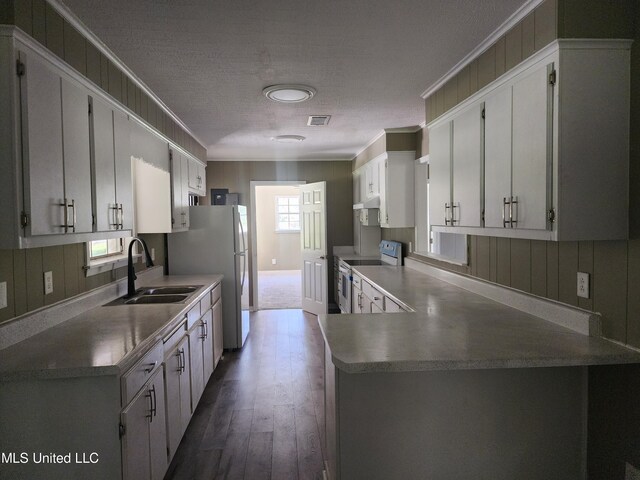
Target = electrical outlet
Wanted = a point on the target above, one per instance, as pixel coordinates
(273, 261)
(48, 283)
(153, 254)
(583, 285)
(3, 294)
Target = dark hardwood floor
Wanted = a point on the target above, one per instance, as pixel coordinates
(262, 413)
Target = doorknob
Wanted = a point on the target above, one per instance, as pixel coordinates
(323, 257)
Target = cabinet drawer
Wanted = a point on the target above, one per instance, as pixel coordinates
(174, 337)
(216, 293)
(357, 281)
(376, 297)
(390, 306)
(133, 380)
(193, 315)
(205, 304)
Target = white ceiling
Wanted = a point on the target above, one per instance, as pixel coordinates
(368, 59)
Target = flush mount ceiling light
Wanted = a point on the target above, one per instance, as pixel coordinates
(288, 138)
(289, 93)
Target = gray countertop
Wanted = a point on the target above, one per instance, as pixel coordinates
(451, 329)
(105, 340)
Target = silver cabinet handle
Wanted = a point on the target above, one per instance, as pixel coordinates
(153, 403)
(121, 211)
(179, 355)
(184, 359)
(446, 212)
(205, 332)
(377, 298)
(150, 367)
(513, 219)
(504, 216)
(66, 205)
(453, 213)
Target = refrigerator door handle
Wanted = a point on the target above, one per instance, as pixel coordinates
(244, 247)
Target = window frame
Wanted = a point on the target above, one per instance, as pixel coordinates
(108, 262)
(288, 213)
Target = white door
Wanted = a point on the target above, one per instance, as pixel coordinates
(314, 247)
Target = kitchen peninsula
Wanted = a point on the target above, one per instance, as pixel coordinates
(465, 387)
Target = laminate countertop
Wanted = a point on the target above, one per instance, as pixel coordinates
(106, 340)
(454, 329)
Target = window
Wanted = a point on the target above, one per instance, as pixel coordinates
(106, 255)
(106, 248)
(288, 213)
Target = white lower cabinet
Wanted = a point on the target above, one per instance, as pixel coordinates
(144, 451)
(218, 340)
(177, 374)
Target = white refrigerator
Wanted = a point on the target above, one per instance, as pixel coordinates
(217, 243)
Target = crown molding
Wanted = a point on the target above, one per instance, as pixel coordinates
(507, 25)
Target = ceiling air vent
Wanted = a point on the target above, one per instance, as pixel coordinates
(318, 120)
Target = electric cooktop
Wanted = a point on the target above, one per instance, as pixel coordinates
(356, 263)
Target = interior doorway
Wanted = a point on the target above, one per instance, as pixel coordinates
(276, 250)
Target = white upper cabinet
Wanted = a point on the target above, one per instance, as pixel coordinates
(553, 147)
(531, 158)
(497, 158)
(197, 178)
(372, 178)
(179, 191)
(113, 200)
(41, 108)
(56, 150)
(440, 174)
(396, 189)
(466, 207)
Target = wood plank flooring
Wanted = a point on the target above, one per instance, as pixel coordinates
(262, 413)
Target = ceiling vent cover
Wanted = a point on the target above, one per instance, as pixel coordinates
(318, 120)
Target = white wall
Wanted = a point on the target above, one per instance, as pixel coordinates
(284, 247)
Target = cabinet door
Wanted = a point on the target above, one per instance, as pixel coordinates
(218, 340)
(207, 345)
(135, 441)
(157, 428)
(178, 394)
(466, 166)
(372, 177)
(77, 155)
(531, 153)
(197, 368)
(440, 174)
(497, 157)
(196, 177)
(122, 154)
(105, 209)
(41, 106)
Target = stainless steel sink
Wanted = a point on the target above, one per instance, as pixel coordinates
(157, 298)
(169, 290)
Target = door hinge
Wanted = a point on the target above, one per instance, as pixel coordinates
(552, 77)
(482, 215)
(552, 215)
(122, 430)
(93, 219)
(90, 108)
(20, 68)
(483, 113)
(170, 155)
(24, 219)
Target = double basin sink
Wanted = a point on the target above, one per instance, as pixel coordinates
(156, 295)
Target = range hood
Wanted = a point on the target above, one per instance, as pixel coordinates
(373, 202)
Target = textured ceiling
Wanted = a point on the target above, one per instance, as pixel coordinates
(368, 59)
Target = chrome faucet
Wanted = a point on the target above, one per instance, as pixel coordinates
(131, 273)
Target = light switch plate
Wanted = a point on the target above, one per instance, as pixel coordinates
(48, 282)
(583, 285)
(3, 294)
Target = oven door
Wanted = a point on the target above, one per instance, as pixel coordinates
(344, 288)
